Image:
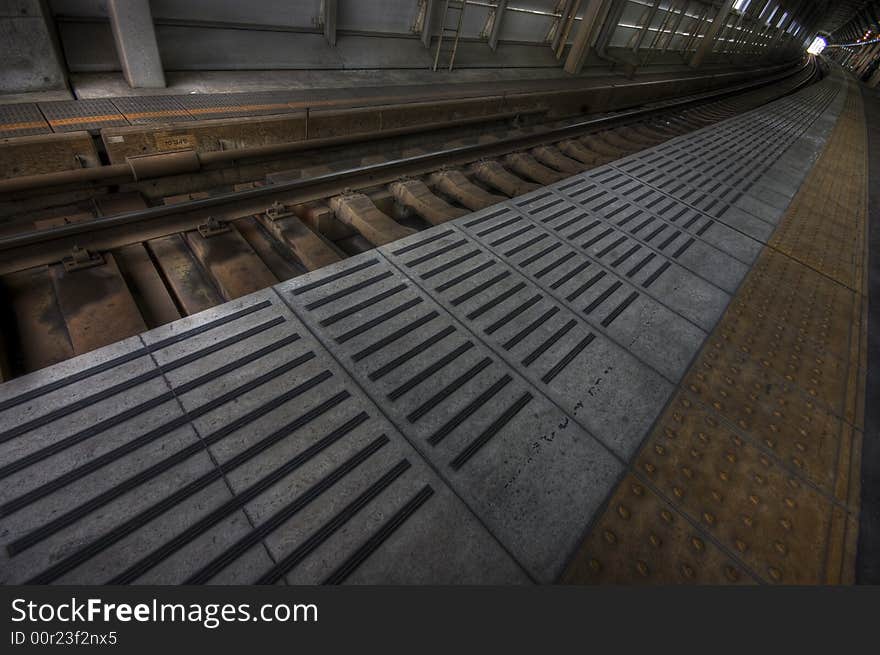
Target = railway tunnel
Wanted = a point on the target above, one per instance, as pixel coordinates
(439, 292)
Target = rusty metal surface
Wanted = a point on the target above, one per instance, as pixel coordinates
(192, 290)
(47, 153)
(273, 253)
(204, 135)
(35, 320)
(232, 263)
(96, 304)
(152, 297)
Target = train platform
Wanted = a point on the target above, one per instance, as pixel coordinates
(103, 104)
(651, 372)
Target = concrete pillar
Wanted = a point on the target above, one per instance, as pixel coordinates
(496, 24)
(28, 50)
(428, 22)
(712, 33)
(330, 11)
(574, 63)
(135, 37)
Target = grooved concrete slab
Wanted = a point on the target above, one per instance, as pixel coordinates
(602, 295)
(453, 407)
(651, 268)
(307, 427)
(513, 456)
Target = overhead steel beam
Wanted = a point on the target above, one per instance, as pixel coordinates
(676, 25)
(563, 29)
(715, 27)
(330, 11)
(867, 59)
(496, 24)
(783, 29)
(649, 18)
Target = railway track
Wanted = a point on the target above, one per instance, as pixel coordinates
(115, 267)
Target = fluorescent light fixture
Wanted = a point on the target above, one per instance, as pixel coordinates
(817, 46)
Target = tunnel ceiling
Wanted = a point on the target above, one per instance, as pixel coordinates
(847, 19)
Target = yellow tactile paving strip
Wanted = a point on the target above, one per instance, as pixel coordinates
(752, 473)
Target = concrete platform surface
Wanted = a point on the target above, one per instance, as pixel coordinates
(455, 407)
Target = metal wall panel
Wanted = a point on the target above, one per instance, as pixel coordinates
(388, 16)
(283, 13)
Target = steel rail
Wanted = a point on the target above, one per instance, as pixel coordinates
(157, 165)
(156, 221)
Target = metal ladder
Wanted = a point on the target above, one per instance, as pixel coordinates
(452, 6)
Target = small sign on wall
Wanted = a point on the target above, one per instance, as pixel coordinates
(166, 142)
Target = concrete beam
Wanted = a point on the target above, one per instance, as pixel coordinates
(574, 63)
(496, 24)
(330, 12)
(712, 33)
(428, 22)
(135, 36)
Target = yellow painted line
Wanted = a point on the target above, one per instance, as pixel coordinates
(104, 118)
(236, 108)
(156, 114)
(9, 127)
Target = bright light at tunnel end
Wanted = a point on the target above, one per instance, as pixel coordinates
(817, 46)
